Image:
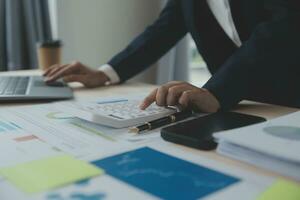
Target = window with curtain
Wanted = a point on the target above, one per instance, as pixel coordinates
(23, 23)
(2, 35)
(198, 71)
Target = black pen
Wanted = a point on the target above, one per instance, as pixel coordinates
(162, 121)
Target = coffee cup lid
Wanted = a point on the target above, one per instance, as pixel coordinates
(50, 43)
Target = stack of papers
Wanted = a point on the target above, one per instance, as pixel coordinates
(273, 145)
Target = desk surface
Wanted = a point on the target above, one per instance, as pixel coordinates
(263, 110)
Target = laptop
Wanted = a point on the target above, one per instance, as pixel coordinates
(32, 88)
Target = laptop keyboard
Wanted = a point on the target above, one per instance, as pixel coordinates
(13, 85)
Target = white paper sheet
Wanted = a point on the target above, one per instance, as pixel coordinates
(15, 149)
(71, 135)
(107, 187)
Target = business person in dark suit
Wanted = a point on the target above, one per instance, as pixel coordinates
(252, 48)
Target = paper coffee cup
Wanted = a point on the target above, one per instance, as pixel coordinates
(49, 53)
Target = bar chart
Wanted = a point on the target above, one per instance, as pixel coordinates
(8, 126)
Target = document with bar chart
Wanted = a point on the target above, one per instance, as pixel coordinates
(9, 127)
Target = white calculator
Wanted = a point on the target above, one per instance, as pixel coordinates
(121, 113)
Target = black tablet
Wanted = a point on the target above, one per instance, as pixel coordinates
(197, 133)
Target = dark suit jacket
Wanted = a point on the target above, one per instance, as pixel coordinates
(265, 68)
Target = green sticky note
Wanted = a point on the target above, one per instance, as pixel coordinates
(49, 173)
(282, 190)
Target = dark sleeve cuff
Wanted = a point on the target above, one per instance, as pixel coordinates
(228, 94)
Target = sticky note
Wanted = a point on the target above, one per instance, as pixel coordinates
(49, 173)
(282, 190)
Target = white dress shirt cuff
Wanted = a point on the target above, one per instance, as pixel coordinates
(110, 73)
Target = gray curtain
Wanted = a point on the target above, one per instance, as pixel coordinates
(23, 23)
(175, 64)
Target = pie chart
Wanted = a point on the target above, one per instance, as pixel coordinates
(284, 132)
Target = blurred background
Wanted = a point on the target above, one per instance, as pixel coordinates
(92, 31)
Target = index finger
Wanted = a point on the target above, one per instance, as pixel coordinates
(50, 69)
(149, 100)
(68, 70)
(157, 94)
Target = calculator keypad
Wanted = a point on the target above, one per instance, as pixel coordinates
(125, 110)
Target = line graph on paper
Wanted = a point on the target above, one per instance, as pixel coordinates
(162, 175)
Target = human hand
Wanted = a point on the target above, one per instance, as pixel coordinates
(76, 72)
(182, 94)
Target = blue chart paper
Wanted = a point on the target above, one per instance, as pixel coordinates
(76, 196)
(164, 176)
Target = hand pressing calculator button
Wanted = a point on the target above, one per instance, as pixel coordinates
(121, 114)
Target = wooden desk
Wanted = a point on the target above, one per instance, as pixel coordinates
(263, 110)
